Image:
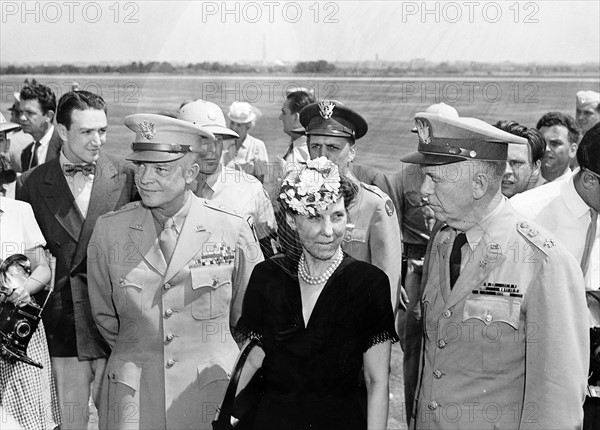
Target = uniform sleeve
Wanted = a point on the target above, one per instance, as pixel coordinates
(557, 346)
(247, 255)
(379, 324)
(250, 324)
(100, 286)
(386, 246)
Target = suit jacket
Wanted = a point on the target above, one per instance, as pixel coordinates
(508, 346)
(169, 326)
(69, 326)
(54, 148)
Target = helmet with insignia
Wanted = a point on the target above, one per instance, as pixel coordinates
(160, 138)
(332, 118)
(444, 140)
(6, 126)
(208, 115)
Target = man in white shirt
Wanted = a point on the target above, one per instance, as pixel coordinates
(562, 134)
(233, 189)
(37, 105)
(246, 153)
(570, 210)
(295, 101)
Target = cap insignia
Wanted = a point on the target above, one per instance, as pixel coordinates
(147, 129)
(326, 108)
(423, 131)
(212, 116)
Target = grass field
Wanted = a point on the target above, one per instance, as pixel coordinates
(388, 105)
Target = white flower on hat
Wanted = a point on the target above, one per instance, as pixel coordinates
(311, 189)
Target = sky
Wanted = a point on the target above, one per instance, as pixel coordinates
(288, 31)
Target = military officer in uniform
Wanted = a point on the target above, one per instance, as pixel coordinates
(372, 234)
(505, 339)
(167, 278)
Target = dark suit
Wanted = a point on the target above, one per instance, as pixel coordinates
(53, 150)
(70, 328)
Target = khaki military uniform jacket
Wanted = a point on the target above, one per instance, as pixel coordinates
(513, 360)
(373, 234)
(169, 327)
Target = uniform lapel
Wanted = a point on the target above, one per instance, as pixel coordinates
(191, 239)
(143, 233)
(60, 201)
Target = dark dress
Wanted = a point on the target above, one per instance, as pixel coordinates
(312, 373)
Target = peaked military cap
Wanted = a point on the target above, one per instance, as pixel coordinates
(332, 118)
(444, 140)
(159, 138)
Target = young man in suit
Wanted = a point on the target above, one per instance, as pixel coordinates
(68, 194)
(37, 105)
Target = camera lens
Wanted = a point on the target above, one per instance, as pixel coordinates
(22, 328)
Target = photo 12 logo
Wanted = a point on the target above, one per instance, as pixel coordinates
(270, 12)
(469, 91)
(470, 11)
(70, 12)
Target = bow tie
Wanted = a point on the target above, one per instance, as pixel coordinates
(86, 169)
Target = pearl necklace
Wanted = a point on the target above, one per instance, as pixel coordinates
(316, 280)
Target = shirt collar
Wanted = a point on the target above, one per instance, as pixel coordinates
(44, 141)
(300, 141)
(571, 198)
(475, 233)
(179, 217)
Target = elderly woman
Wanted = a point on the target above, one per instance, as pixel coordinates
(27, 394)
(321, 318)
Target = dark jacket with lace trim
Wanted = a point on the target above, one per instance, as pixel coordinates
(312, 371)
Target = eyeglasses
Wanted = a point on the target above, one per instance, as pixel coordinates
(592, 172)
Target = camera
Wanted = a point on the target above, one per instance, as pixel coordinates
(18, 321)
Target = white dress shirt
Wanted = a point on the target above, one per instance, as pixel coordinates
(558, 208)
(80, 186)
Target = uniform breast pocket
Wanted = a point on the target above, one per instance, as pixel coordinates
(355, 234)
(495, 321)
(128, 285)
(211, 291)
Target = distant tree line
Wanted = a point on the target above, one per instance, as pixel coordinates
(366, 68)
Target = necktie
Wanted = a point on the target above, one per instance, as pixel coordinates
(456, 257)
(86, 169)
(589, 241)
(168, 239)
(34, 158)
(290, 150)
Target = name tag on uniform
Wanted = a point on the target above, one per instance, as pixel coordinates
(498, 289)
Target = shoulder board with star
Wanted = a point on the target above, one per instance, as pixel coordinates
(128, 207)
(222, 208)
(541, 239)
(389, 205)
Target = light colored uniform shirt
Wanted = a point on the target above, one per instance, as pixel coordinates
(299, 153)
(80, 186)
(559, 208)
(251, 157)
(243, 193)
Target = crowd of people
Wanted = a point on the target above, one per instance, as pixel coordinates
(480, 255)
